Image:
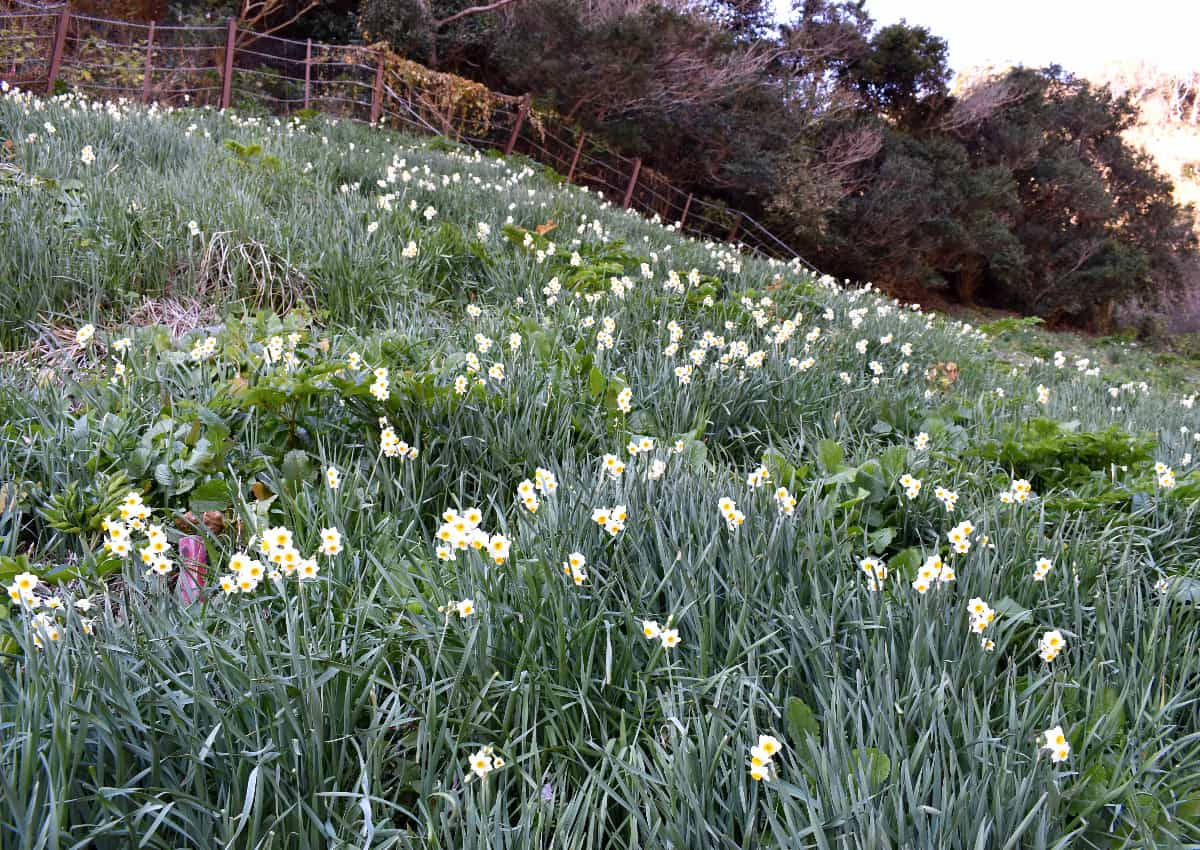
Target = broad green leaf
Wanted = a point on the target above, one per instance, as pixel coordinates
(695, 454)
(906, 562)
(296, 465)
(596, 381)
(164, 476)
(782, 471)
(878, 541)
(1011, 610)
(877, 765)
(893, 462)
(212, 495)
(801, 721)
(830, 456)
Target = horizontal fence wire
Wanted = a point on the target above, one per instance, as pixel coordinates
(185, 65)
(28, 41)
(182, 28)
(124, 25)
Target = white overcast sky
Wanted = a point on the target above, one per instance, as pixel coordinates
(1080, 35)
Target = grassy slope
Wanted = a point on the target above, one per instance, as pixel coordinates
(344, 709)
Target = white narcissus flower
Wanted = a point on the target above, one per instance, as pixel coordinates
(1056, 743)
(331, 541)
(481, 763)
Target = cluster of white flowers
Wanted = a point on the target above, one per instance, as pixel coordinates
(485, 761)
(876, 572)
(45, 611)
(758, 478)
(981, 615)
(1051, 644)
(275, 350)
(277, 547)
(461, 531)
(933, 572)
(785, 501)
(948, 498)
(203, 349)
(614, 466)
(1166, 475)
(1057, 744)
(640, 446)
(133, 516)
(729, 510)
(960, 537)
(391, 446)
(669, 638)
(761, 756)
(543, 482)
(463, 608)
(576, 567)
(1019, 492)
(380, 387)
(611, 519)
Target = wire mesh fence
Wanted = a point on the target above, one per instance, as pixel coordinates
(26, 45)
(50, 48)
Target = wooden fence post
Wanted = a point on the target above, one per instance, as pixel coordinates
(227, 76)
(687, 205)
(56, 50)
(521, 113)
(377, 93)
(149, 65)
(737, 222)
(633, 178)
(575, 159)
(307, 71)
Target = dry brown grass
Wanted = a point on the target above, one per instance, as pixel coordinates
(248, 270)
(179, 316)
(54, 350)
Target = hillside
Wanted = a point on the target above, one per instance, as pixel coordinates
(1169, 119)
(365, 491)
(1168, 129)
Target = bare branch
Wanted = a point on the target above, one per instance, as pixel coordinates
(472, 10)
(980, 101)
(256, 12)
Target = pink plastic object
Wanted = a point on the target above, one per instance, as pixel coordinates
(193, 556)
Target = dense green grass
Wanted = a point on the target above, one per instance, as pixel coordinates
(341, 711)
